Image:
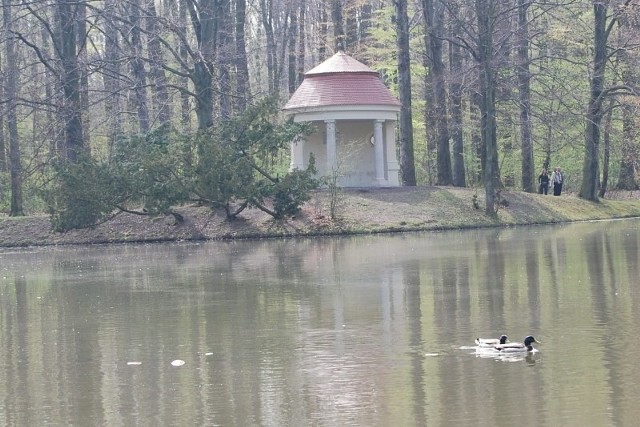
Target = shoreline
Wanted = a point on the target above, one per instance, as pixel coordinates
(359, 211)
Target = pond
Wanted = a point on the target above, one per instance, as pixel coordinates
(361, 331)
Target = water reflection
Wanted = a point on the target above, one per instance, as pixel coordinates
(364, 330)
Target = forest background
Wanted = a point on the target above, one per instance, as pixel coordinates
(138, 106)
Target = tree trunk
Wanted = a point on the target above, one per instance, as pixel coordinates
(629, 148)
(407, 163)
(358, 25)
(627, 177)
(547, 147)
(272, 58)
(606, 149)
(590, 169)
(292, 70)
(11, 96)
(3, 142)
(302, 36)
(202, 83)
(434, 17)
(284, 31)
(185, 99)
(524, 79)
(366, 14)
(110, 81)
(477, 135)
(223, 57)
(351, 27)
(338, 25)
(137, 69)
(159, 94)
(81, 34)
(456, 124)
(203, 21)
(430, 127)
(56, 135)
(484, 12)
(324, 32)
(70, 79)
(242, 68)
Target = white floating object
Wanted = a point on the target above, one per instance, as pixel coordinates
(134, 363)
(208, 354)
(178, 362)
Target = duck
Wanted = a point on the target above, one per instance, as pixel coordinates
(518, 347)
(491, 342)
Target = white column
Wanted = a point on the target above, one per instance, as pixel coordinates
(393, 168)
(297, 154)
(378, 145)
(331, 146)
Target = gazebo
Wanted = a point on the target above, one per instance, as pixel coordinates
(354, 115)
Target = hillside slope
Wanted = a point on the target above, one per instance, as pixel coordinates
(358, 211)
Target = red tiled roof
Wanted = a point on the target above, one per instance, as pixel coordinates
(346, 89)
(341, 80)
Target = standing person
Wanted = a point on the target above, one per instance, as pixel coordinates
(543, 182)
(556, 179)
(560, 179)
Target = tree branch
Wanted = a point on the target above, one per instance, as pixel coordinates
(38, 52)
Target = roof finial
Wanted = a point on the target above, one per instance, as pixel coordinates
(340, 44)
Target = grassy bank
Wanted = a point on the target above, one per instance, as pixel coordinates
(357, 211)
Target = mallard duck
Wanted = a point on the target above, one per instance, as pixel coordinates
(517, 347)
(491, 342)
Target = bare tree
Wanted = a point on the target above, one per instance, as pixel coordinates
(66, 47)
(157, 76)
(111, 77)
(486, 13)
(224, 58)
(456, 123)
(83, 64)
(407, 163)
(302, 38)
(629, 105)
(11, 94)
(433, 13)
(524, 91)
(337, 18)
(183, 57)
(138, 71)
(629, 149)
(606, 152)
(203, 18)
(603, 24)
(292, 52)
(242, 67)
(267, 9)
(323, 31)
(3, 143)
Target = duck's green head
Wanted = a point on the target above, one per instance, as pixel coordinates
(528, 340)
(503, 339)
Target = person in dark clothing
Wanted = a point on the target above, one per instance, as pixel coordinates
(543, 182)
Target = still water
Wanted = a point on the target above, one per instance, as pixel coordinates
(358, 331)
